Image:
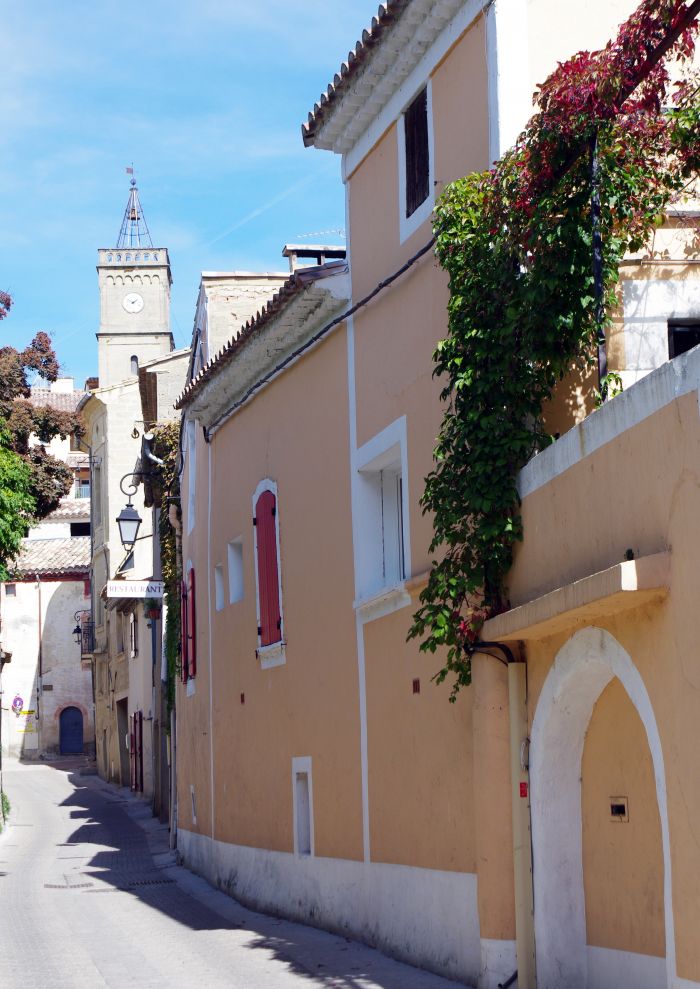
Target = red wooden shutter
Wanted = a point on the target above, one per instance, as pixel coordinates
(132, 750)
(270, 629)
(184, 632)
(138, 724)
(192, 624)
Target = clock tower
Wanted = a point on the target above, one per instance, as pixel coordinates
(134, 280)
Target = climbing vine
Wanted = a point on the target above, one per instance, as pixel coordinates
(165, 492)
(517, 242)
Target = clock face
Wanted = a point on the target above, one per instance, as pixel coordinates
(133, 302)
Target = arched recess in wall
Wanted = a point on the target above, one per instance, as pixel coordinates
(134, 364)
(584, 666)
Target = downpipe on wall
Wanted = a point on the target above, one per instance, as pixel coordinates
(526, 973)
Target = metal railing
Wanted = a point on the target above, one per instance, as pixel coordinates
(82, 489)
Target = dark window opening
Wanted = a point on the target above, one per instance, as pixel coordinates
(683, 335)
(80, 529)
(415, 121)
(134, 364)
(11, 590)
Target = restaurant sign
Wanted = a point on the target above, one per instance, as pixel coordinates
(135, 589)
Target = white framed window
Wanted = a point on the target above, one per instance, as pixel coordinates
(191, 473)
(219, 586)
(268, 577)
(235, 571)
(416, 161)
(380, 513)
(133, 634)
(303, 805)
(96, 493)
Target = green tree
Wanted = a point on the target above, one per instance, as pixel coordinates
(32, 482)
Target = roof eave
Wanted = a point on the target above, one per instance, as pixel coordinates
(262, 352)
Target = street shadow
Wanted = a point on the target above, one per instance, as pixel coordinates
(118, 855)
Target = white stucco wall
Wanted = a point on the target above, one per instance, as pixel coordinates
(38, 732)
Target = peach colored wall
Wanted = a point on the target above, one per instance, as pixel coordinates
(491, 800)
(461, 146)
(622, 861)
(639, 491)
(419, 756)
(295, 433)
(394, 342)
(374, 216)
(193, 730)
(460, 108)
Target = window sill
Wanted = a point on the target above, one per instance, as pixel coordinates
(383, 602)
(273, 655)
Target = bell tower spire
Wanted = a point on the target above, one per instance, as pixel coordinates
(134, 280)
(134, 230)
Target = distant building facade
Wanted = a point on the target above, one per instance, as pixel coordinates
(47, 707)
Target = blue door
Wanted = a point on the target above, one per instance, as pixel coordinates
(71, 731)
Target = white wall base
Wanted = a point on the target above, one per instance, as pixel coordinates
(498, 962)
(611, 969)
(424, 917)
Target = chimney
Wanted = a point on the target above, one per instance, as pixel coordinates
(312, 254)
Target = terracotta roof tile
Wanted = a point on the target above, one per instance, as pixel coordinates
(53, 557)
(70, 508)
(387, 14)
(62, 401)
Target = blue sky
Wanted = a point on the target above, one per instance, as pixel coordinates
(206, 98)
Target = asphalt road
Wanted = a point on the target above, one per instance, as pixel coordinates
(90, 897)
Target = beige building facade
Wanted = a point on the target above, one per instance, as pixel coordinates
(545, 821)
(134, 338)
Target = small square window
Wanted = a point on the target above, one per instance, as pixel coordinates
(219, 585)
(303, 805)
(133, 634)
(11, 590)
(683, 335)
(235, 571)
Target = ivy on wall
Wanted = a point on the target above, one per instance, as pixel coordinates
(517, 244)
(165, 491)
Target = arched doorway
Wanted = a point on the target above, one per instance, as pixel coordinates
(71, 731)
(582, 670)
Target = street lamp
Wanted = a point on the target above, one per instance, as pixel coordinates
(129, 519)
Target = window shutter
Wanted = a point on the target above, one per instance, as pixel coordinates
(270, 628)
(184, 632)
(192, 624)
(132, 751)
(417, 154)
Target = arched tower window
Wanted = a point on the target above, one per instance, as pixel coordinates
(134, 364)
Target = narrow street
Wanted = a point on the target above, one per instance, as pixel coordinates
(91, 897)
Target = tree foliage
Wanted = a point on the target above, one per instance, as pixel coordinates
(32, 482)
(516, 242)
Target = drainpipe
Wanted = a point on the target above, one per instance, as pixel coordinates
(520, 808)
(176, 523)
